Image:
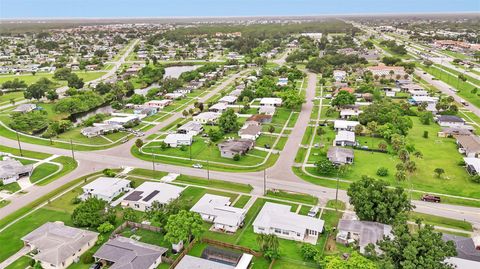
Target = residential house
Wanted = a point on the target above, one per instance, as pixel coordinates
(279, 220)
(175, 140)
(261, 118)
(472, 165)
(218, 107)
(450, 121)
(362, 232)
(339, 75)
(228, 99)
(230, 148)
(345, 138)
(122, 253)
(217, 210)
(100, 129)
(58, 246)
(145, 110)
(340, 156)
(468, 251)
(469, 145)
(251, 130)
(270, 101)
(349, 111)
(207, 117)
(282, 82)
(25, 108)
(173, 96)
(122, 119)
(345, 125)
(183, 91)
(383, 71)
(160, 104)
(192, 128)
(12, 170)
(105, 188)
(454, 131)
(146, 194)
(267, 110)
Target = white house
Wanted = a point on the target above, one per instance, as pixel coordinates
(270, 101)
(25, 108)
(173, 96)
(122, 119)
(160, 104)
(364, 232)
(146, 194)
(345, 138)
(175, 140)
(218, 107)
(217, 209)
(228, 99)
(105, 188)
(11, 170)
(207, 117)
(193, 128)
(250, 131)
(345, 125)
(279, 220)
(267, 110)
(339, 75)
(450, 121)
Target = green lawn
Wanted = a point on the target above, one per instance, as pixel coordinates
(22, 263)
(219, 184)
(12, 187)
(191, 195)
(147, 173)
(11, 237)
(441, 221)
(42, 171)
(6, 97)
(294, 197)
(242, 201)
(29, 79)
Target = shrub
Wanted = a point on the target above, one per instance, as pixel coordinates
(236, 157)
(425, 134)
(87, 258)
(382, 172)
(308, 251)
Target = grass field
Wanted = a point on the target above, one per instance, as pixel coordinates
(30, 79)
(42, 171)
(6, 97)
(218, 184)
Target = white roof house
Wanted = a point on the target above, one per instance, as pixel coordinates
(217, 209)
(146, 194)
(122, 119)
(24, 108)
(105, 188)
(344, 138)
(282, 82)
(339, 75)
(228, 99)
(158, 103)
(267, 110)
(173, 96)
(270, 101)
(57, 245)
(191, 127)
(218, 107)
(279, 220)
(424, 99)
(473, 165)
(345, 125)
(175, 140)
(207, 117)
(250, 131)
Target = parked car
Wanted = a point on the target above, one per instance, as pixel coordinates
(96, 266)
(197, 165)
(267, 146)
(313, 211)
(431, 198)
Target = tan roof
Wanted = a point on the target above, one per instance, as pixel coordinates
(470, 143)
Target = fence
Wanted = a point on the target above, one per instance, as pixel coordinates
(184, 252)
(232, 246)
(131, 224)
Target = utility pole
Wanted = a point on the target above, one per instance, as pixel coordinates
(71, 147)
(19, 145)
(208, 169)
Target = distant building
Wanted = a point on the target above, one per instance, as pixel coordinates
(345, 138)
(146, 194)
(25, 108)
(340, 156)
(192, 128)
(207, 117)
(175, 140)
(230, 148)
(269, 101)
(11, 170)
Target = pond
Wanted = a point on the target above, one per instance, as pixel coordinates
(176, 71)
(80, 117)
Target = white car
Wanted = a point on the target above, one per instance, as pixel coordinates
(197, 165)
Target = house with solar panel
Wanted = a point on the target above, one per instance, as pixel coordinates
(146, 194)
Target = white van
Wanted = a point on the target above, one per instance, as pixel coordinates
(314, 211)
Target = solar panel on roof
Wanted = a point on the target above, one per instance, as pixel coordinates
(151, 195)
(134, 196)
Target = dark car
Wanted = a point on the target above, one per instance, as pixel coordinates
(96, 266)
(431, 198)
(267, 146)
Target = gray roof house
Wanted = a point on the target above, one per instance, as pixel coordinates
(450, 121)
(468, 253)
(25, 108)
(469, 145)
(230, 148)
(11, 170)
(58, 246)
(191, 127)
(126, 253)
(217, 209)
(279, 220)
(364, 232)
(345, 138)
(339, 156)
(250, 131)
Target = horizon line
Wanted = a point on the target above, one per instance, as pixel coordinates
(243, 16)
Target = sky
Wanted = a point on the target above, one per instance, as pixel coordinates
(10, 9)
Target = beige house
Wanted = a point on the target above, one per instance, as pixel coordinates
(57, 245)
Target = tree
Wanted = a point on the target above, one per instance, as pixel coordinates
(358, 129)
(325, 167)
(439, 172)
(92, 212)
(421, 247)
(52, 95)
(292, 98)
(374, 200)
(355, 261)
(105, 227)
(130, 215)
(35, 91)
(74, 81)
(269, 245)
(308, 251)
(403, 155)
(183, 226)
(344, 98)
(382, 172)
(400, 175)
(62, 73)
(228, 121)
(139, 143)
